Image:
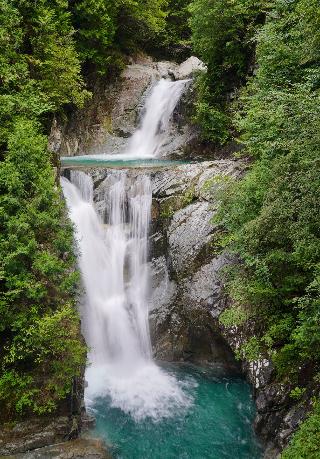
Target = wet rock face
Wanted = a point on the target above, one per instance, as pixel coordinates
(204, 288)
(189, 235)
(186, 286)
(186, 290)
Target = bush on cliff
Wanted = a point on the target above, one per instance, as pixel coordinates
(305, 442)
(40, 332)
(272, 215)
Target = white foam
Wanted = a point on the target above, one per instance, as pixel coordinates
(145, 391)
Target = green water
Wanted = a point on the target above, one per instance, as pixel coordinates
(218, 425)
(100, 161)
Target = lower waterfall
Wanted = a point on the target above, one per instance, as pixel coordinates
(115, 274)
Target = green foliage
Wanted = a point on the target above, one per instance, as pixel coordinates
(233, 316)
(39, 67)
(189, 196)
(95, 22)
(141, 24)
(305, 442)
(251, 350)
(177, 21)
(42, 348)
(177, 33)
(273, 214)
(52, 343)
(107, 30)
(166, 211)
(297, 393)
(210, 116)
(222, 33)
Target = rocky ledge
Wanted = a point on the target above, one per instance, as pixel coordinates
(53, 436)
(46, 438)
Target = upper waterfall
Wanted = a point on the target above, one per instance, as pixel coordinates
(151, 136)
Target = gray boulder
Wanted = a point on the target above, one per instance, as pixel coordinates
(189, 67)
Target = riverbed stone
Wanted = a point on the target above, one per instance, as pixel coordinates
(34, 433)
(81, 448)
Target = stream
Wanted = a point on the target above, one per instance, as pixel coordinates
(143, 409)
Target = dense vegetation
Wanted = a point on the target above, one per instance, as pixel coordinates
(41, 350)
(272, 216)
(305, 443)
(222, 36)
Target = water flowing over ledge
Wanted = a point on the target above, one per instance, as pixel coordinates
(115, 274)
(149, 141)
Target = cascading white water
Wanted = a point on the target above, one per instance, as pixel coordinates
(148, 140)
(113, 263)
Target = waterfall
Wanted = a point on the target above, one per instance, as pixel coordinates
(114, 268)
(151, 136)
(149, 139)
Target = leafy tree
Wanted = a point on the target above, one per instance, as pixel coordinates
(95, 22)
(108, 30)
(222, 36)
(272, 215)
(140, 24)
(41, 346)
(305, 443)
